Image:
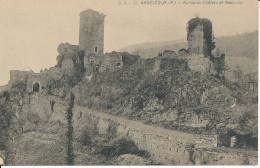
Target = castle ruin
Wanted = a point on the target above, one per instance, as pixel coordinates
(201, 55)
(200, 42)
(88, 57)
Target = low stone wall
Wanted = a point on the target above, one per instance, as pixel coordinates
(165, 146)
(225, 156)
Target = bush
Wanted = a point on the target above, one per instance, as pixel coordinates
(123, 146)
(85, 138)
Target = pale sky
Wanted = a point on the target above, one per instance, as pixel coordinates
(31, 30)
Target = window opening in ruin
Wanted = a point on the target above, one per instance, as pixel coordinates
(96, 49)
(118, 64)
(36, 87)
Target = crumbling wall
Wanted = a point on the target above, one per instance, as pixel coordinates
(68, 59)
(172, 64)
(66, 47)
(111, 62)
(165, 64)
(66, 51)
(198, 62)
(165, 146)
(17, 76)
(169, 54)
(224, 156)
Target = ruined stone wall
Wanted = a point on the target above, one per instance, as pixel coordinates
(91, 32)
(225, 156)
(92, 62)
(165, 146)
(68, 67)
(66, 47)
(198, 62)
(111, 62)
(19, 76)
(68, 59)
(173, 64)
(164, 64)
(43, 79)
(169, 54)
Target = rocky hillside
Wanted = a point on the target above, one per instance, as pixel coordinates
(183, 100)
(33, 133)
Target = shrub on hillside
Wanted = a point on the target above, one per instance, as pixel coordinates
(122, 146)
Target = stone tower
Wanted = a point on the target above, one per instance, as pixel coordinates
(200, 36)
(196, 40)
(91, 32)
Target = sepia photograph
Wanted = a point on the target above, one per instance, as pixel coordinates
(128, 82)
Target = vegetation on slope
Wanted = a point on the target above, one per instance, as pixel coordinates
(181, 100)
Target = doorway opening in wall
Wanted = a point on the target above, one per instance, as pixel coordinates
(96, 49)
(36, 87)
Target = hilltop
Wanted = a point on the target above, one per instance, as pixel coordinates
(189, 100)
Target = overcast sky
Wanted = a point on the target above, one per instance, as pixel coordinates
(31, 30)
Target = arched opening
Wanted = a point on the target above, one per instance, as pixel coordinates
(36, 87)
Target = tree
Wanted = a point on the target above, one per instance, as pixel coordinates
(70, 153)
